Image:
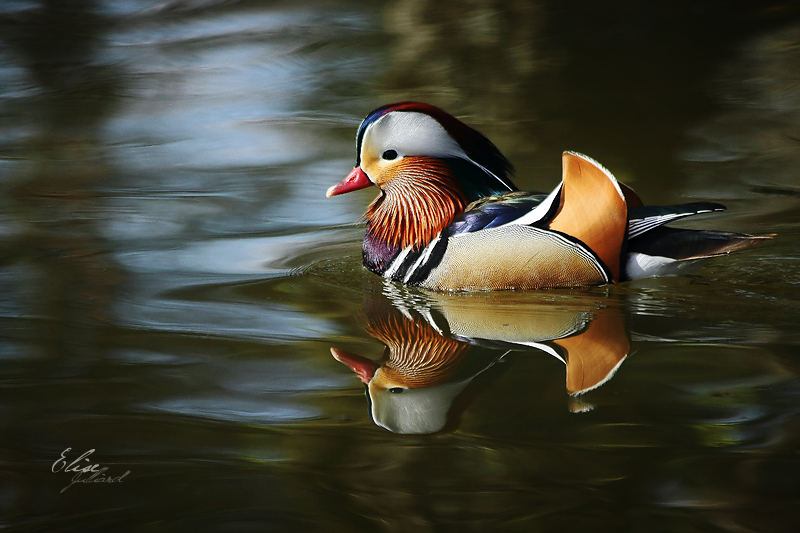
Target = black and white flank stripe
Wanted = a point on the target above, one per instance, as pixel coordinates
(413, 266)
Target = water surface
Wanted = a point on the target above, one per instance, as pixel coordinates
(175, 289)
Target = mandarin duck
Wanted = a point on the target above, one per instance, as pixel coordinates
(449, 218)
(441, 348)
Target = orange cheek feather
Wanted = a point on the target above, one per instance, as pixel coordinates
(421, 197)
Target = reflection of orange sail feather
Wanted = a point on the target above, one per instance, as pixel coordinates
(594, 355)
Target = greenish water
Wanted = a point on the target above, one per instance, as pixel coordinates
(174, 284)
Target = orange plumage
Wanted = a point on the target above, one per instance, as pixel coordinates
(420, 200)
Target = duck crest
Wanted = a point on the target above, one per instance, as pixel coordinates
(416, 205)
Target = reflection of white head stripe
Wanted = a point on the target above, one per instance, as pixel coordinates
(415, 411)
(421, 410)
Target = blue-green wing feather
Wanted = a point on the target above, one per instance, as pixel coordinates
(493, 211)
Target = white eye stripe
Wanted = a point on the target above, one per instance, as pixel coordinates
(410, 133)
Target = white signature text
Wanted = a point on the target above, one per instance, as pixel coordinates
(84, 473)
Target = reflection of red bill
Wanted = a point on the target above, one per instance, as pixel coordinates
(363, 367)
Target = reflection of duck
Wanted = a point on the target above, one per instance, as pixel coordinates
(441, 347)
(449, 218)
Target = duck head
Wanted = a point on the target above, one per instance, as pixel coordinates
(428, 166)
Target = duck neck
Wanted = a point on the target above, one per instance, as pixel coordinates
(412, 209)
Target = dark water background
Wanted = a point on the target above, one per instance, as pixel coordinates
(172, 277)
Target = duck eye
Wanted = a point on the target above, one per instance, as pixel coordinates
(396, 390)
(389, 155)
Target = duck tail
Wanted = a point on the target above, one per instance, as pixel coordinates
(666, 251)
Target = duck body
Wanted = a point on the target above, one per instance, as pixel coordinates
(449, 218)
